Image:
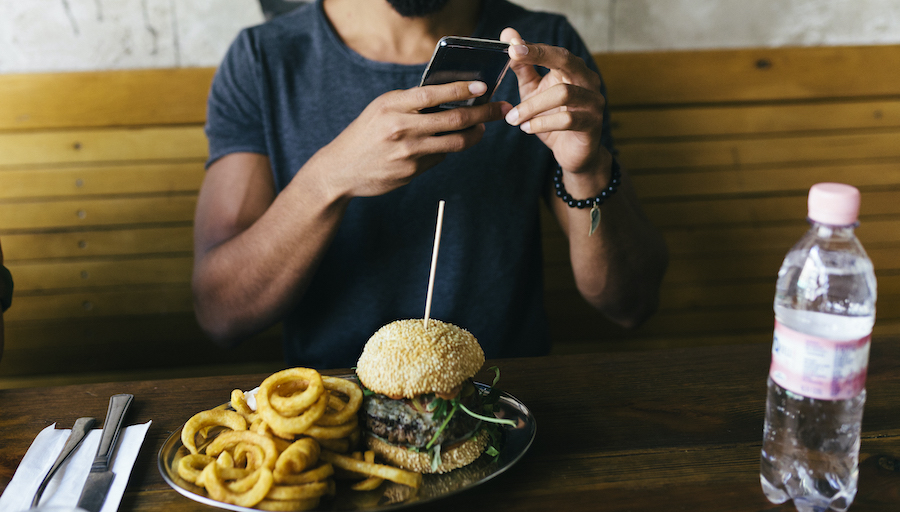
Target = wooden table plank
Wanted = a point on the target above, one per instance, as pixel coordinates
(670, 429)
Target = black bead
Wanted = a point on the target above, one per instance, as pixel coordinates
(614, 181)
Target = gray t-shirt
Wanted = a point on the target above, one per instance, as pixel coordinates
(288, 87)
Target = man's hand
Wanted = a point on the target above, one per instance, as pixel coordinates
(564, 108)
(391, 142)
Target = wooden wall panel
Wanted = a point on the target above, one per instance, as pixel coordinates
(129, 242)
(99, 175)
(82, 213)
(112, 179)
(100, 99)
(103, 145)
(749, 75)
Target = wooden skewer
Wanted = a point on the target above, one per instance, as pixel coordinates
(434, 255)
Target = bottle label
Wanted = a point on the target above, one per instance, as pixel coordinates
(817, 367)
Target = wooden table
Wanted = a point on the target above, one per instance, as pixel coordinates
(661, 430)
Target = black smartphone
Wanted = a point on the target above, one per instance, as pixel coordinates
(458, 59)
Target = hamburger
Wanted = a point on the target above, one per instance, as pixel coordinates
(421, 410)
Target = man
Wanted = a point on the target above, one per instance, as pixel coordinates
(319, 202)
(6, 291)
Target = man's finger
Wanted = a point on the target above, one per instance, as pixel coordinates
(560, 96)
(427, 96)
(462, 118)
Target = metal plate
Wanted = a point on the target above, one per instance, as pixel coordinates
(516, 441)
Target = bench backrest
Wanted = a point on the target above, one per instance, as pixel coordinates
(99, 174)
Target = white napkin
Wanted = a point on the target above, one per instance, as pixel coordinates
(65, 487)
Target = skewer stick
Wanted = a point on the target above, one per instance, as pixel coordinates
(434, 255)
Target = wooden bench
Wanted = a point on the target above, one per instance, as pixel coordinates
(723, 147)
(99, 174)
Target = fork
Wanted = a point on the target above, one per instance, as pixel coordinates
(79, 431)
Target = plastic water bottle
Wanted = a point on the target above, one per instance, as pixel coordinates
(824, 313)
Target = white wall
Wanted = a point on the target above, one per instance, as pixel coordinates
(67, 35)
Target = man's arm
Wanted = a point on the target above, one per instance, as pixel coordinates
(619, 268)
(255, 252)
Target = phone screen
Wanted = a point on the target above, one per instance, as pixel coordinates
(464, 59)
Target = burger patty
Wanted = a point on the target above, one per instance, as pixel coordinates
(401, 422)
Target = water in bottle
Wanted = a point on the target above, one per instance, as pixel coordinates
(824, 313)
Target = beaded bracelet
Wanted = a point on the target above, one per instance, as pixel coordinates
(593, 202)
(561, 193)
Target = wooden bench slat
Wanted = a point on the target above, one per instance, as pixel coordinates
(148, 341)
(100, 180)
(827, 148)
(103, 145)
(86, 213)
(755, 210)
(95, 304)
(687, 242)
(754, 119)
(750, 75)
(102, 98)
(700, 322)
(87, 244)
(765, 180)
(31, 277)
(724, 268)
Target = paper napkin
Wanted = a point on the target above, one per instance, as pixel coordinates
(65, 487)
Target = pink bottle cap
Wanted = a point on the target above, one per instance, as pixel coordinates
(835, 204)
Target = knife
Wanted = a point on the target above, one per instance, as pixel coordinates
(100, 478)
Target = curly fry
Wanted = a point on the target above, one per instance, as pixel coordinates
(218, 491)
(239, 403)
(289, 426)
(297, 492)
(228, 440)
(190, 466)
(288, 506)
(206, 419)
(336, 432)
(320, 472)
(299, 456)
(348, 411)
(290, 405)
(391, 473)
(372, 482)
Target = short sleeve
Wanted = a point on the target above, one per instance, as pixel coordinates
(234, 118)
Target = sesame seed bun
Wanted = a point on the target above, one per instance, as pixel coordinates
(457, 457)
(403, 359)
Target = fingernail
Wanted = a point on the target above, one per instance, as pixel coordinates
(513, 116)
(526, 127)
(478, 87)
(519, 49)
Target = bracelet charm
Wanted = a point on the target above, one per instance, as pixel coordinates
(593, 202)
